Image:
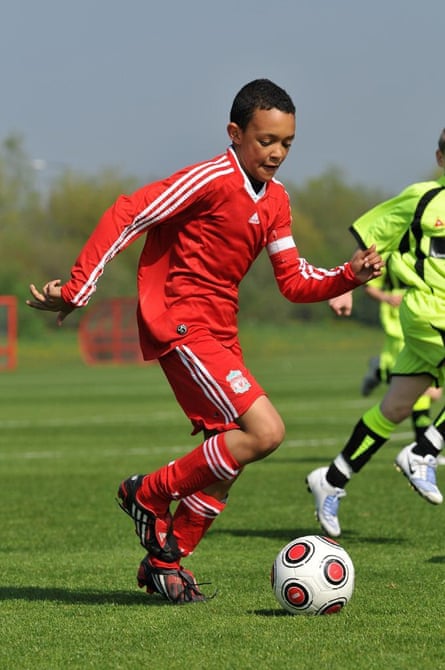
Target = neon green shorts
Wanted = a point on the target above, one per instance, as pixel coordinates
(423, 323)
(393, 342)
(392, 346)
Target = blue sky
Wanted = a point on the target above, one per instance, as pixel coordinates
(146, 86)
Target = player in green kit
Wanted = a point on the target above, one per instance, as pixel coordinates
(409, 228)
(388, 291)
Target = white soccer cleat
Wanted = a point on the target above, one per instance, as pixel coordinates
(327, 499)
(420, 472)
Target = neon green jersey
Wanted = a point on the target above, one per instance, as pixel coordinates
(389, 315)
(411, 229)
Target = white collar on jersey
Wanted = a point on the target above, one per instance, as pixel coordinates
(247, 183)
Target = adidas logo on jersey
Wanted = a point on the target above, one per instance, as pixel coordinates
(254, 218)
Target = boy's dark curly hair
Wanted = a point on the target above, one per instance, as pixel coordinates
(259, 94)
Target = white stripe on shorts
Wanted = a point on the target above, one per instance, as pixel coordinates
(209, 386)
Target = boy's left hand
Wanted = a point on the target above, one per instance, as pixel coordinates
(367, 264)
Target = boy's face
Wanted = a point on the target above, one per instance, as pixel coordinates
(440, 158)
(264, 144)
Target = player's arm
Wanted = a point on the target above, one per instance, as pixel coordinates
(385, 224)
(299, 281)
(114, 231)
(127, 219)
(378, 294)
(120, 225)
(112, 234)
(377, 231)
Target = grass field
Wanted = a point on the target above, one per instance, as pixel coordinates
(70, 433)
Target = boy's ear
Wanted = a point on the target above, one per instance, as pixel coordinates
(234, 132)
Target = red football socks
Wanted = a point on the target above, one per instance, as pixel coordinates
(192, 519)
(201, 467)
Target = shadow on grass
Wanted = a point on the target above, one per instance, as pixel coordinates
(311, 460)
(289, 534)
(282, 534)
(58, 595)
(270, 613)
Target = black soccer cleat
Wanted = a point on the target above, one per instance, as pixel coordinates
(176, 585)
(155, 533)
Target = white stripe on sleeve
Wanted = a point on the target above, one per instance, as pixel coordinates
(280, 245)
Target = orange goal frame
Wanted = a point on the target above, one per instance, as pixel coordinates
(108, 333)
(8, 335)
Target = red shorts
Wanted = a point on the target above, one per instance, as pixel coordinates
(211, 383)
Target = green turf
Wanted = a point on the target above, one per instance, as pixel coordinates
(70, 433)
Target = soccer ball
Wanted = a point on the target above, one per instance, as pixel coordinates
(312, 575)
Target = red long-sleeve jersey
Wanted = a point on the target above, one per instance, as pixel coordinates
(204, 227)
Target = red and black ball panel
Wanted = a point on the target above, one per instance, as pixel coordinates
(298, 553)
(297, 594)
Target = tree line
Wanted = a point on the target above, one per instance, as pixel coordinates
(43, 226)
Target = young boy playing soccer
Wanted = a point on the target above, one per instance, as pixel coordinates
(204, 227)
(410, 228)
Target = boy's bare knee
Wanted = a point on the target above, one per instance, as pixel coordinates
(396, 411)
(271, 438)
(262, 429)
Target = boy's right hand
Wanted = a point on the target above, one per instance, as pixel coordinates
(50, 300)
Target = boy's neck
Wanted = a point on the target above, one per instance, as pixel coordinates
(256, 185)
